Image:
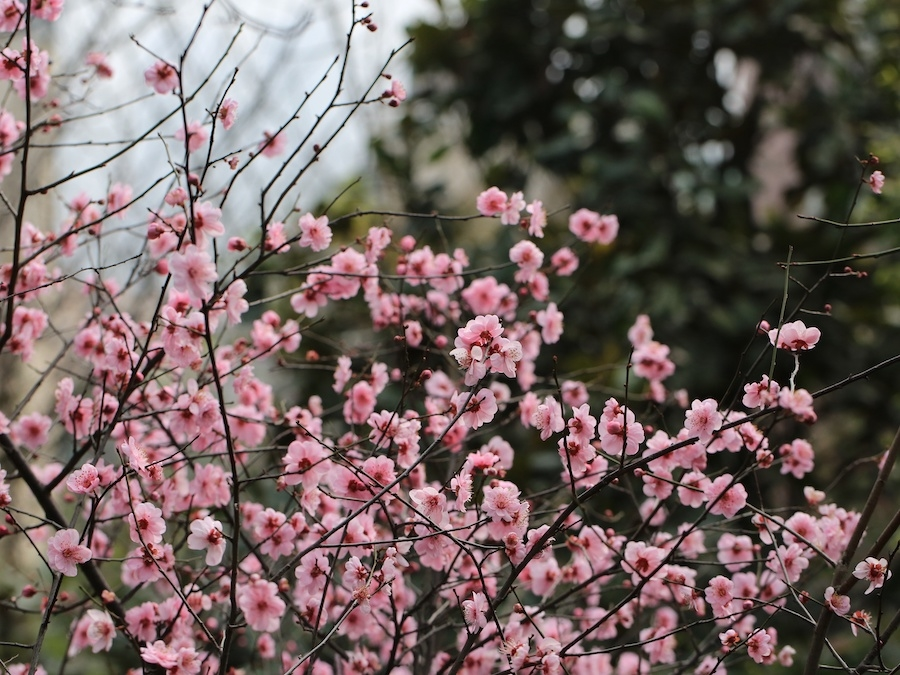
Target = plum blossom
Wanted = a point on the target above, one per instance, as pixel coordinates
(725, 500)
(64, 552)
(258, 600)
(703, 419)
(100, 630)
(797, 458)
(837, 603)
(206, 534)
(396, 94)
(591, 227)
(873, 570)
(315, 232)
(876, 182)
(795, 337)
(491, 202)
(227, 113)
(162, 77)
(475, 611)
(193, 272)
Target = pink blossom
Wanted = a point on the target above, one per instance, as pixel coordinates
(762, 394)
(31, 430)
(788, 562)
(118, 199)
(837, 603)
(876, 182)
(100, 630)
(491, 202)
(316, 234)
(795, 337)
(551, 322)
(799, 402)
(162, 77)
(49, 10)
(719, 596)
(431, 503)
(735, 551)
(759, 645)
(11, 12)
(64, 552)
(501, 501)
(206, 534)
(514, 206)
(564, 261)
(538, 220)
(193, 272)
(475, 612)
(642, 560)
(480, 409)
(703, 419)
(272, 145)
(258, 600)
(100, 63)
(84, 481)
(146, 524)
(396, 94)
(591, 227)
(227, 113)
(725, 500)
(195, 133)
(797, 457)
(873, 570)
(207, 222)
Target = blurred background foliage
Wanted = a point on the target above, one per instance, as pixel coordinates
(706, 126)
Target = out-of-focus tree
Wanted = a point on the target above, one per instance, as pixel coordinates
(706, 126)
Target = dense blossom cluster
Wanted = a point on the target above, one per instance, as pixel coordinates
(382, 524)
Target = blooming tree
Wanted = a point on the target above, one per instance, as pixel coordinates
(186, 515)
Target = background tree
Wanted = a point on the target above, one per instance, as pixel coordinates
(706, 126)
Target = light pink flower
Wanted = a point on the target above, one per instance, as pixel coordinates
(258, 600)
(146, 524)
(873, 570)
(797, 457)
(703, 419)
(272, 145)
(227, 113)
(730, 499)
(876, 182)
(795, 337)
(99, 61)
(193, 272)
(100, 630)
(491, 202)
(475, 611)
(206, 534)
(64, 552)
(839, 604)
(162, 77)
(315, 232)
